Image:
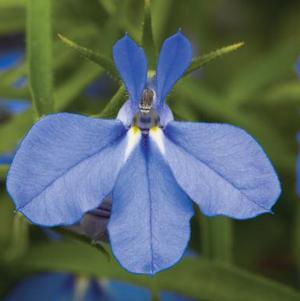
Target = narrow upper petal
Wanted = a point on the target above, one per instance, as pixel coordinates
(65, 166)
(149, 225)
(175, 56)
(221, 168)
(131, 63)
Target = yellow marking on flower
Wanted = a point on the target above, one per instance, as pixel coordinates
(135, 130)
(133, 138)
(154, 129)
(157, 135)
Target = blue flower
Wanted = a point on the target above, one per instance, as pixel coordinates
(15, 106)
(151, 165)
(67, 287)
(11, 107)
(10, 59)
(298, 67)
(6, 158)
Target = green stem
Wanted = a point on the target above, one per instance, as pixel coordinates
(19, 240)
(147, 37)
(39, 51)
(217, 238)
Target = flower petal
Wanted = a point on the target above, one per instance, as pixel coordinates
(65, 166)
(175, 56)
(131, 63)
(126, 114)
(221, 168)
(149, 225)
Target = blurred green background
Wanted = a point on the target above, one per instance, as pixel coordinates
(256, 87)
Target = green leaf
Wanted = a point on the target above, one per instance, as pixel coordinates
(75, 84)
(18, 126)
(98, 58)
(161, 12)
(274, 64)
(3, 171)
(6, 217)
(19, 241)
(11, 93)
(12, 19)
(39, 50)
(12, 3)
(217, 238)
(202, 60)
(147, 38)
(14, 130)
(195, 278)
(118, 15)
(109, 6)
(8, 77)
(285, 93)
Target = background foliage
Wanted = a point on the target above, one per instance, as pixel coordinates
(256, 88)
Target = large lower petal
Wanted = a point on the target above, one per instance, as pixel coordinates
(149, 225)
(65, 166)
(221, 168)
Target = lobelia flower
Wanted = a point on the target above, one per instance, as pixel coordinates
(151, 165)
(10, 59)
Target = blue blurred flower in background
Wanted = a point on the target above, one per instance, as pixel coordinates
(13, 107)
(8, 108)
(101, 86)
(152, 166)
(67, 287)
(298, 67)
(10, 59)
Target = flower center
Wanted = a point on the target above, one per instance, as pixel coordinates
(146, 118)
(146, 103)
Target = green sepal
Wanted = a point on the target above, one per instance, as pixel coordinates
(96, 57)
(202, 60)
